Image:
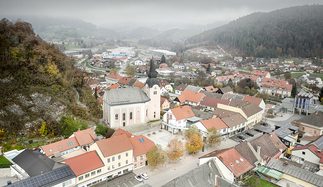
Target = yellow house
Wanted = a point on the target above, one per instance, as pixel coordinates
(289, 61)
(164, 104)
(88, 168)
(248, 110)
(116, 153)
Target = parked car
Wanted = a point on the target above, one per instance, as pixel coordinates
(139, 178)
(249, 134)
(258, 130)
(144, 176)
(265, 124)
(241, 137)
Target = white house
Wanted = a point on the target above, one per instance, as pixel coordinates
(175, 119)
(309, 153)
(205, 125)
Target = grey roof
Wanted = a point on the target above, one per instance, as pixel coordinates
(314, 119)
(124, 96)
(284, 131)
(319, 142)
(47, 179)
(246, 152)
(202, 114)
(181, 87)
(248, 108)
(267, 147)
(213, 95)
(228, 96)
(193, 88)
(35, 163)
(200, 176)
(297, 172)
(226, 89)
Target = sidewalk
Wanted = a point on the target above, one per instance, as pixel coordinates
(279, 118)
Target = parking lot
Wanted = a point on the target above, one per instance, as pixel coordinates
(247, 137)
(126, 180)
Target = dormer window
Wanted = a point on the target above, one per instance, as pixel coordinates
(50, 150)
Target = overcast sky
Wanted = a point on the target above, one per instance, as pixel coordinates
(107, 12)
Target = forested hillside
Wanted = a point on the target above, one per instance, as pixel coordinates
(37, 83)
(295, 31)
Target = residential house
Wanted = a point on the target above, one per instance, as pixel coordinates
(248, 110)
(310, 80)
(261, 74)
(88, 168)
(205, 125)
(165, 71)
(240, 77)
(210, 89)
(116, 153)
(78, 141)
(288, 134)
(228, 64)
(311, 124)
(126, 81)
(274, 60)
(309, 153)
(256, 100)
(294, 68)
(276, 87)
(216, 72)
(307, 62)
(174, 64)
(141, 147)
(238, 59)
(211, 103)
(163, 65)
(224, 79)
(231, 163)
(139, 85)
(206, 175)
(224, 90)
(230, 96)
(288, 61)
(190, 98)
(271, 66)
(295, 176)
(139, 62)
(198, 111)
(114, 86)
(113, 78)
(309, 69)
(180, 88)
(277, 142)
(164, 104)
(175, 119)
(166, 84)
(232, 72)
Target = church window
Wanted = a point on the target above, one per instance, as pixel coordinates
(155, 92)
(154, 114)
(146, 112)
(124, 116)
(130, 115)
(116, 116)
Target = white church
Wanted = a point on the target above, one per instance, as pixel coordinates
(130, 106)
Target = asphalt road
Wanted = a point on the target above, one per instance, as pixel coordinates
(126, 180)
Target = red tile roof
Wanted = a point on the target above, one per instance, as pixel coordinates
(214, 122)
(270, 80)
(163, 65)
(312, 148)
(85, 137)
(188, 95)
(119, 132)
(141, 148)
(114, 145)
(251, 99)
(213, 102)
(163, 83)
(259, 73)
(114, 86)
(139, 85)
(182, 112)
(84, 163)
(124, 80)
(210, 89)
(222, 78)
(59, 146)
(252, 77)
(100, 100)
(232, 159)
(114, 76)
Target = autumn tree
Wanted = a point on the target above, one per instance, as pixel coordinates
(43, 129)
(194, 143)
(113, 70)
(175, 149)
(130, 71)
(157, 156)
(213, 137)
(177, 105)
(250, 68)
(192, 130)
(223, 70)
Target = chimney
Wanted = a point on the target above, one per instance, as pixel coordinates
(220, 157)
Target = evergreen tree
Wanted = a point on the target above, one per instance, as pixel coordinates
(96, 92)
(321, 94)
(163, 59)
(294, 90)
(208, 69)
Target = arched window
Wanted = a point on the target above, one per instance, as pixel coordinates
(130, 115)
(154, 114)
(124, 116)
(116, 116)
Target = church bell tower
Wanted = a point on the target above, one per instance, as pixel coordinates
(153, 92)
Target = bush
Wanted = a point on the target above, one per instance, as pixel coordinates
(101, 130)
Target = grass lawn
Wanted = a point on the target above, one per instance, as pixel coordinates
(297, 74)
(257, 182)
(4, 163)
(317, 75)
(243, 72)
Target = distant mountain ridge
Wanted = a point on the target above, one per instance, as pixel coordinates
(295, 31)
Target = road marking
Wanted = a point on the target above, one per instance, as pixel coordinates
(131, 183)
(125, 184)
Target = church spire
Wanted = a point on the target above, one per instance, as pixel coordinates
(152, 72)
